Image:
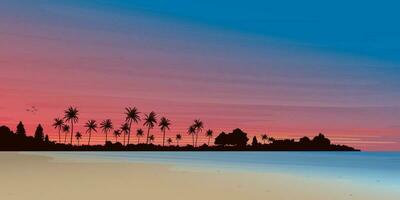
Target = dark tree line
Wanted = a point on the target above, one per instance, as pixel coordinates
(237, 140)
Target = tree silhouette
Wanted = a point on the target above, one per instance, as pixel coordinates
(78, 136)
(125, 130)
(178, 138)
(71, 115)
(39, 135)
(46, 139)
(106, 126)
(209, 134)
(151, 138)
(65, 130)
(192, 131)
(198, 125)
(236, 138)
(132, 115)
(264, 137)
(117, 133)
(21, 129)
(57, 124)
(139, 134)
(254, 142)
(169, 141)
(90, 126)
(149, 121)
(164, 124)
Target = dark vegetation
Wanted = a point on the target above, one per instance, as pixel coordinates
(237, 140)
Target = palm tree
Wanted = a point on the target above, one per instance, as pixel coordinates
(65, 129)
(139, 134)
(192, 131)
(71, 115)
(91, 126)
(106, 126)
(132, 115)
(164, 124)
(198, 125)
(169, 141)
(78, 136)
(264, 137)
(151, 138)
(149, 121)
(125, 130)
(58, 123)
(117, 133)
(209, 134)
(177, 138)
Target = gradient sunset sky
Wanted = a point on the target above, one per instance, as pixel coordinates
(288, 68)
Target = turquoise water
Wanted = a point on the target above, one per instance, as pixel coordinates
(368, 167)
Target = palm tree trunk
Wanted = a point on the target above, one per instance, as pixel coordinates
(59, 134)
(116, 139)
(124, 138)
(65, 138)
(209, 141)
(129, 134)
(106, 136)
(177, 142)
(138, 140)
(78, 142)
(90, 135)
(163, 138)
(72, 130)
(193, 139)
(197, 135)
(148, 133)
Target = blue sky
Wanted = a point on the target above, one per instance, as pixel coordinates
(358, 28)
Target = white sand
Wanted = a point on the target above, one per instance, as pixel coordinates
(31, 177)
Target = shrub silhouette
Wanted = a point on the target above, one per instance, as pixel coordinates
(236, 138)
(255, 142)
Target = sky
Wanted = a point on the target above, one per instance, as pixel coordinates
(287, 68)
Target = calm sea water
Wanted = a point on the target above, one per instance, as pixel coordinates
(370, 167)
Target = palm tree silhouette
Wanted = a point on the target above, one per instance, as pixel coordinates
(151, 138)
(91, 125)
(125, 130)
(78, 136)
(264, 137)
(169, 141)
(149, 122)
(192, 131)
(164, 124)
(198, 125)
(106, 126)
(65, 129)
(132, 115)
(71, 115)
(209, 134)
(117, 133)
(139, 134)
(58, 123)
(177, 138)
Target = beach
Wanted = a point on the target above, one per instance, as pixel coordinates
(52, 176)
